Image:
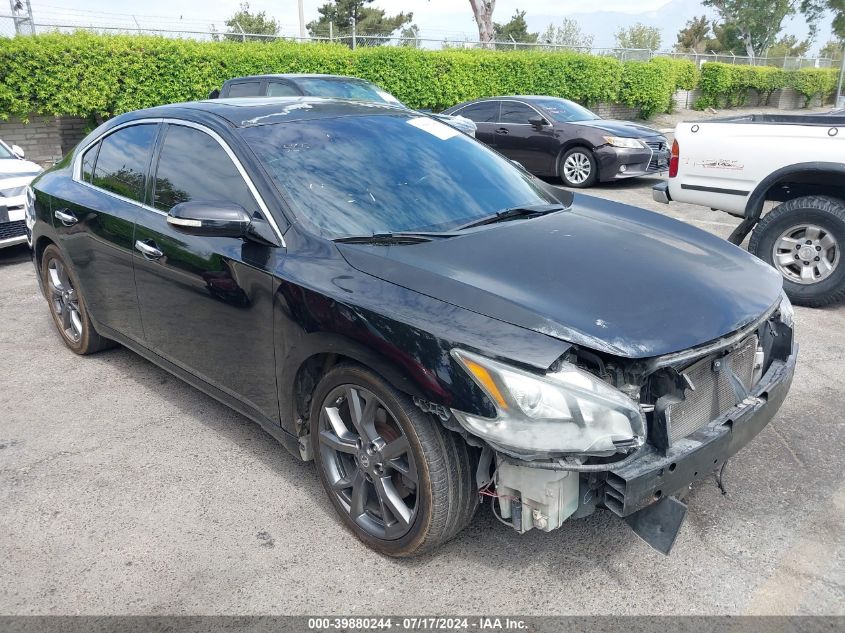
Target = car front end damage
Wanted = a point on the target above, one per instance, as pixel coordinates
(622, 434)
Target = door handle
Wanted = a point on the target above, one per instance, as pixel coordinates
(148, 251)
(502, 130)
(65, 217)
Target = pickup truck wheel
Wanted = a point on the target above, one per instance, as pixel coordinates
(400, 481)
(803, 240)
(578, 168)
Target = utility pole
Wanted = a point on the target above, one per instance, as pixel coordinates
(353, 32)
(840, 103)
(21, 16)
(301, 21)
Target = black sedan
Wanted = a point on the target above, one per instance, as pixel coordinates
(432, 325)
(556, 137)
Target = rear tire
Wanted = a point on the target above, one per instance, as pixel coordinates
(803, 239)
(411, 499)
(67, 304)
(578, 168)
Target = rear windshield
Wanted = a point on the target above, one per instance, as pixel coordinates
(360, 175)
(344, 89)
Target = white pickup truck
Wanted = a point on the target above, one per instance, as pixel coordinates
(738, 164)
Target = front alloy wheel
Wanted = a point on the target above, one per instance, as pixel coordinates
(578, 168)
(368, 462)
(399, 479)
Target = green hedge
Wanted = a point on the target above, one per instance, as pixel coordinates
(99, 75)
(727, 85)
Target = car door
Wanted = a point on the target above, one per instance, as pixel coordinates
(484, 114)
(95, 216)
(206, 301)
(517, 139)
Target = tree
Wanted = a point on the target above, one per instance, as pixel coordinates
(757, 21)
(815, 9)
(831, 50)
(789, 46)
(368, 20)
(726, 39)
(245, 22)
(514, 31)
(411, 36)
(482, 10)
(567, 34)
(694, 36)
(639, 36)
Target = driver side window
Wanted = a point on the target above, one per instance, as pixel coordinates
(181, 176)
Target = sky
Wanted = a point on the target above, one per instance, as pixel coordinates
(436, 18)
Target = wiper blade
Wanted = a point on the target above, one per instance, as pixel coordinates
(406, 237)
(529, 210)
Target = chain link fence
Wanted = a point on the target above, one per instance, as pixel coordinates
(66, 20)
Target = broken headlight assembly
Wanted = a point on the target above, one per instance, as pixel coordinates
(787, 314)
(568, 411)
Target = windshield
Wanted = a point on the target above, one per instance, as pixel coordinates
(345, 89)
(564, 111)
(5, 152)
(360, 175)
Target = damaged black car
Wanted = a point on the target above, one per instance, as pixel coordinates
(432, 325)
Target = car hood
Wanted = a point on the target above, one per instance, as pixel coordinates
(625, 129)
(14, 167)
(608, 276)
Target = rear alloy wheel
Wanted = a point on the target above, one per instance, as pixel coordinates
(578, 168)
(802, 240)
(67, 305)
(401, 482)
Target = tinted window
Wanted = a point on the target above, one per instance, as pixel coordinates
(88, 160)
(5, 152)
(565, 111)
(277, 89)
(122, 161)
(244, 89)
(367, 174)
(193, 166)
(485, 112)
(344, 89)
(513, 112)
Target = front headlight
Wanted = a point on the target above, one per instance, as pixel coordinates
(628, 143)
(568, 411)
(787, 314)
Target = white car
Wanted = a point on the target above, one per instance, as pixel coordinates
(15, 176)
(738, 164)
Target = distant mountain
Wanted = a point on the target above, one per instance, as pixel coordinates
(670, 19)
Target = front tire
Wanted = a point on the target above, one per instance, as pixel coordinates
(67, 305)
(578, 168)
(803, 239)
(399, 480)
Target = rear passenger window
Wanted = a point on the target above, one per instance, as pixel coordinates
(181, 177)
(122, 161)
(244, 89)
(276, 89)
(88, 160)
(485, 112)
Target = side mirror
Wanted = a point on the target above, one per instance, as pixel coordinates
(538, 122)
(219, 219)
(17, 150)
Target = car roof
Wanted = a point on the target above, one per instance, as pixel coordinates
(253, 111)
(294, 76)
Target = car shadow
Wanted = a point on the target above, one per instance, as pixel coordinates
(15, 254)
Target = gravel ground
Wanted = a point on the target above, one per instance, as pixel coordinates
(124, 491)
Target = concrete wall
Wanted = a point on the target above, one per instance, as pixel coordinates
(616, 111)
(44, 139)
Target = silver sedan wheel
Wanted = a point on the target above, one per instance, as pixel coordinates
(577, 168)
(806, 254)
(64, 301)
